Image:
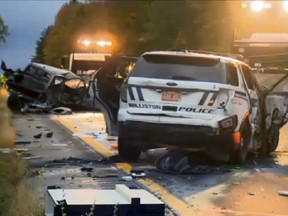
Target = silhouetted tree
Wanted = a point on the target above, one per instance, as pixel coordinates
(3, 31)
(40, 44)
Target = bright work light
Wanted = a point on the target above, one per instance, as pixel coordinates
(103, 43)
(257, 6)
(285, 5)
(86, 42)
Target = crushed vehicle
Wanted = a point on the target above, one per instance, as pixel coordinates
(42, 87)
(193, 101)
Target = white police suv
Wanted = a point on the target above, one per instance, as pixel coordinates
(192, 101)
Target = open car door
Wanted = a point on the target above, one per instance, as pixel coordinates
(106, 88)
(274, 85)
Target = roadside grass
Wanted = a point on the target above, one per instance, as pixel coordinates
(16, 197)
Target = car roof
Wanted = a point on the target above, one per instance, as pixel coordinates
(195, 54)
(50, 69)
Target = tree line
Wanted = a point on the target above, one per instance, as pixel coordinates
(3, 31)
(139, 26)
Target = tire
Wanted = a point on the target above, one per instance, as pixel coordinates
(273, 139)
(14, 103)
(127, 151)
(239, 155)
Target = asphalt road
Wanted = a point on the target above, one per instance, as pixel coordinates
(215, 189)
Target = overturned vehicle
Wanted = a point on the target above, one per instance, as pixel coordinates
(43, 88)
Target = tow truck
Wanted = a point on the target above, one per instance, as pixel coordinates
(84, 64)
(261, 37)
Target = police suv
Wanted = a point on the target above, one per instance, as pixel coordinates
(191, 101)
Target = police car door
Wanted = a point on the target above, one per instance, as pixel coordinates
(106, 90)
(255, 117)
(274, 83)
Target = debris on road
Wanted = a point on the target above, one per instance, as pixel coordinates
(111, 139)
(126, 178)
(21, 150)
(283, 193)
(22, 142)
(87, 169)
(177, 162)
(114, 146)
(38, 136)
(31, 157)
(61, 111)
(49, 134)
(251, 193)
(137, 173)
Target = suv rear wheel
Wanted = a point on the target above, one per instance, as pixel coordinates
(239, 155)
(127, 151)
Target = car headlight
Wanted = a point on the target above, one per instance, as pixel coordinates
(228, 124)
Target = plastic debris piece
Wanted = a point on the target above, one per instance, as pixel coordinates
(283, 193)
(61, 111)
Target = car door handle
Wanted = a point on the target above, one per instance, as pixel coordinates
(171, 84)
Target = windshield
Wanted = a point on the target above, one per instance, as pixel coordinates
(80, 67)
(181, 68)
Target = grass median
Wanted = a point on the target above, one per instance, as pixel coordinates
(16, 196)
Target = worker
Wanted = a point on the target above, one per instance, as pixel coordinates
(3, 79)
(4, 76)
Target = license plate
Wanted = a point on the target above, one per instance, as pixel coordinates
(171, 96)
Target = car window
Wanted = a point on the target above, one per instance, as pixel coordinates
(248, 77)
(232, 74)
(46, 77)
(180, 68)
(33, 71)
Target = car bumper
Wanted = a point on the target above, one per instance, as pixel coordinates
(186, 137)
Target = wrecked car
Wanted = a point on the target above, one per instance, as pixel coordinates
(192, 102)
(42, 87)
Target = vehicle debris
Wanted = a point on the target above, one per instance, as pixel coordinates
(31, 157)
(127, 178)
(49, 134)
(251, 194)
(283, 193)
(22, 142)
(61, 111)
(87, 169)
(137, 173)
(38, 136)
(179, 162)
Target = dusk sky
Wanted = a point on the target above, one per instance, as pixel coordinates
(26, 20)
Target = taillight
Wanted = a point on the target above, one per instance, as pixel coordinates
(123, 93)
(228, 124)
